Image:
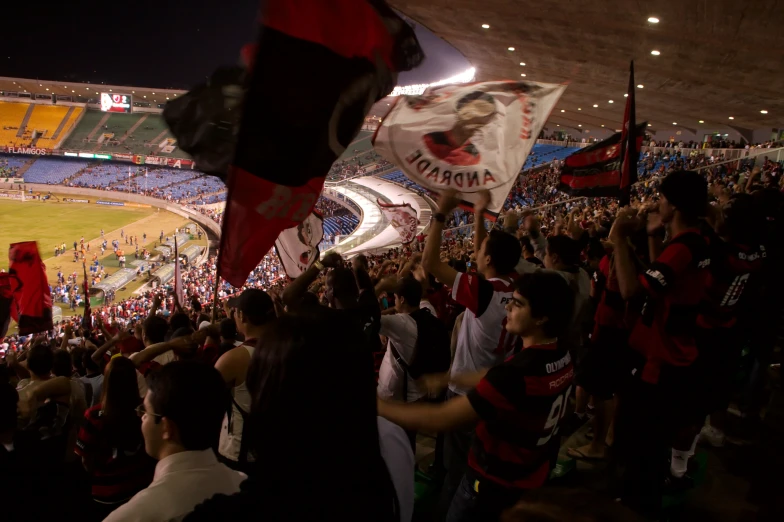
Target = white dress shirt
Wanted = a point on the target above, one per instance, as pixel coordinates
(181, 482)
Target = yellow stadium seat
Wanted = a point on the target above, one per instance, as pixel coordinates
(11, 115)
(46, 119)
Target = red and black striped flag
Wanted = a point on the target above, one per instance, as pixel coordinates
(607, 168)
(87, 320)
(33, 298)
(318, 68)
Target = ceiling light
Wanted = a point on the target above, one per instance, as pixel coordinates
(110, 90)
(522, 63)
(510, 48)
(557, 125)
(485, 26)
(522, 74)
(626, 95)
(653, 20)
(763, 112)
(563, 110)
(610, 101)
(579, 125)
(640, 86)
(579, 109)
(602, 125)
(732, 117)
(73, 91)
(649, 125)
(655, 52)
(702, 121)
(595, 104)
(132, 92)
(674, 123)
(47, 88)
(40, 85)
(145, 95)
(167, 97)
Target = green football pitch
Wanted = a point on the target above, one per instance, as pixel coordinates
(52, 223)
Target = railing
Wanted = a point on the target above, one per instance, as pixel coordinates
(359, 193)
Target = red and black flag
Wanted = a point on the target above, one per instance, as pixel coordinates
(9, 305)
(34, 300)
(87, 320)
(607, 168)
(319, 67)
(630, 150)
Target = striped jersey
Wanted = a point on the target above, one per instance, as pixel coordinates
(520, 405)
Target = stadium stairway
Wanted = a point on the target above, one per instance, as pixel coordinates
(98, 127)
(25, 120)
(63, 122)
(201, 196)
(134, 127)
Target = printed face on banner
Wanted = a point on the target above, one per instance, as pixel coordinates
(297, 247)
(467, 137)
(403, 219)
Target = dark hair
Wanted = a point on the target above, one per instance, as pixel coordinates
(192, 395)
(595, 249)
(155, 329)
(295, 353)
(566, 248)
(525, 244)
(409, 289)
(344, 284)
(504, 251)
(179, 320)
(473, 96)
(90, 366)
(61, 364)
(687, 191)
(77, 359)
(40, 360)
(228, 329)
(119, 400)
(548, 295)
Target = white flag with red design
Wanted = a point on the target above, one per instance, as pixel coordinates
(403, 218)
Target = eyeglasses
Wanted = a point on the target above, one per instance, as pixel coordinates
(140, 411)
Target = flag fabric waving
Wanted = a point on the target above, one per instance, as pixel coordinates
(595, 171)
(297, 247)
(87, 319)
(34, 299)
(403, 218)
(318, 68)
(468, 137)
(178, 295)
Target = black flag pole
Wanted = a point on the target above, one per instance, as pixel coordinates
(629, 152)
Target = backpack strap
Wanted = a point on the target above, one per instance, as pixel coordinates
(404, 366)
(243, 456)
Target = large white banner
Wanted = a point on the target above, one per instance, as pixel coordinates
(297, 247)
(468, 137)
(403, 218)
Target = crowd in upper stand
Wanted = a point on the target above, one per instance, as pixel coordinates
(303, 400)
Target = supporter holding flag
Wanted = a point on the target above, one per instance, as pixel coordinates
(518, 404)
(482, 341)
(33, 296)
(657, 408)
(181, 418)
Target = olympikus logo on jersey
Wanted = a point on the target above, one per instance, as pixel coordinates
(658, 276)
(559, 364)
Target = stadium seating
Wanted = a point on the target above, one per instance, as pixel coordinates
(11, 116)
(136, 133)
(202, 184)
(157, 178)
(9, 165)
(543, 154)
(102, 175)
(47, 119)
(53, 170)
(341, 226)
(360, 144)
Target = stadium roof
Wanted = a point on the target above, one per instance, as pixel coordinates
(83, 91)
(716, 59)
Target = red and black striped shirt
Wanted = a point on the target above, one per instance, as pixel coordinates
(520, 404)
(119, 473)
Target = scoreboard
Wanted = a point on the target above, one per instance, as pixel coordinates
(111, 102)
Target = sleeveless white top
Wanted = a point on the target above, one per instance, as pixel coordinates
(231, 432)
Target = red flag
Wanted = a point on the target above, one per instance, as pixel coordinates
(87, 320)
(354, 48)
(34, 298)
(630, 152)
(9, 306)
(178, 296)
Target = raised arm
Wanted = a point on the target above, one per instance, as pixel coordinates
(431, 257)
(480, 233)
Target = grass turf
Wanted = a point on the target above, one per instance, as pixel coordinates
(52, 223)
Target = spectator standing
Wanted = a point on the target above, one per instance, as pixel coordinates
(181, 420)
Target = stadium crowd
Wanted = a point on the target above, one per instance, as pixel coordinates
(503, 341)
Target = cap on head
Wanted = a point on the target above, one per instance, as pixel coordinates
(256, 306)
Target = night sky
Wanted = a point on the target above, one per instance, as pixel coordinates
(145, 43)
